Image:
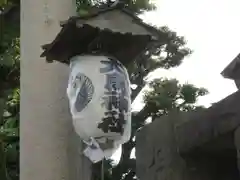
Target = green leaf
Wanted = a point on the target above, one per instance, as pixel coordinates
(2, 103)
(6, 60)
(3, 2)
(12, 152)
(10, 123)
(83, 12)
(189, 93)
(3, 168)
(9, 134)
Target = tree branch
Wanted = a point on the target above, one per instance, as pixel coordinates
(122, 167)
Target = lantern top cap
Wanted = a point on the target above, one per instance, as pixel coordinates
(112, 31)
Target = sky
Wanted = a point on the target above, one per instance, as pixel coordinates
(211, 29)
(212, 32)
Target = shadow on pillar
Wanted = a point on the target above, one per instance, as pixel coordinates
(79, 165)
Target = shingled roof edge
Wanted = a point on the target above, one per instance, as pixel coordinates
(72, 21)
(125, 10)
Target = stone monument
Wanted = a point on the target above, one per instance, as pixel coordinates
(201, 145)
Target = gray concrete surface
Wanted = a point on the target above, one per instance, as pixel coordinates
(186, 146)
(50, 149)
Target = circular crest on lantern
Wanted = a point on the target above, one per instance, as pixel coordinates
(85, 93)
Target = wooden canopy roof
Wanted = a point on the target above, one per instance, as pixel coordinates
(114, 31)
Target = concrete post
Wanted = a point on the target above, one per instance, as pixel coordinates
(50, 149)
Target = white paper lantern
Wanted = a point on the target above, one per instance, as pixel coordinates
(99, 95)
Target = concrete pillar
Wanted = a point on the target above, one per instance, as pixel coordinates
(50, 150)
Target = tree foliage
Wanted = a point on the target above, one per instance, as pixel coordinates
(9, 91)
(136, 6)
(166, 95)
